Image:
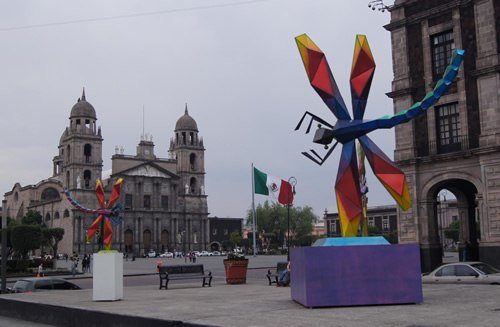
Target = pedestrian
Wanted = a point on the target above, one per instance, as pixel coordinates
(284, 276)
(40, 270)
(73, 268)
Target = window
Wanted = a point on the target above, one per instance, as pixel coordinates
(333, 227)
(385, 223)
(446, 271)
(56, 215)
(214, 231)
(192, 185)
(128, 201)
(442, 45)
(192, 161)
(226, 231)
(66, 213)
(463, 270)
(371, 221)
(50, 194)
(448, 125)
(164, 202)
(147, 201)
(47, 217)
(87, 152)
(86, 178)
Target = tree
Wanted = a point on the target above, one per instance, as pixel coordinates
(453, 231)
(32, 217)
(51, 238)
(235, 238)
(274, 219)
(25, 238)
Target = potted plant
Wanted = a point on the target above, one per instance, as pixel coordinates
(235, 267)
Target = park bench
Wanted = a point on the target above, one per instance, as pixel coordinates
(176, 272)
(272, 277)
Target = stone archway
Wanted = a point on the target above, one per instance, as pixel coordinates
(129, 241)
(146, 239)
(215, 246)
(165, 244)
(465, 193)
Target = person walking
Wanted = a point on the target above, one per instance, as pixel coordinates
(40, 270)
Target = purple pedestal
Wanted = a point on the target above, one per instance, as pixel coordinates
(356, 275)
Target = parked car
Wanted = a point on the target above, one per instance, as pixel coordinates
(473, 272)
(38, 284)
(167, 255)
(216, 253)
(150, 254)
(205, 254)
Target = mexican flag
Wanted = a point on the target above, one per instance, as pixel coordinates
(269, 185)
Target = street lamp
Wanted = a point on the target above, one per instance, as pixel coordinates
(292, 181)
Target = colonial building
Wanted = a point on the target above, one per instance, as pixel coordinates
(221, 229)
(384, 220)
(455, 145)
(164, 198)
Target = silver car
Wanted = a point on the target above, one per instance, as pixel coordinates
(473, 272)
(38, 284)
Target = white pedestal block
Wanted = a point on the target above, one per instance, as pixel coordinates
(108, 276)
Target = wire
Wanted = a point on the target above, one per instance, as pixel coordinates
(98, 19)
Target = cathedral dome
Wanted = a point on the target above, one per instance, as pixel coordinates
(186, 122)
(83, 109)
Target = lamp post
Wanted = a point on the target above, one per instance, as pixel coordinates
(292, 181)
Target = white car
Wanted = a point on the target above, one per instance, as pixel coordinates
(152, 254)
(216, 253)
(473, 272)
(204, 254)
(167, 255)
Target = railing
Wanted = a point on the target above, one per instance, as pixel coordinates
(456, 144)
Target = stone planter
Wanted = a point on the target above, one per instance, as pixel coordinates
(236, 271)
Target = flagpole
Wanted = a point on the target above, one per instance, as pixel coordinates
(254, 223)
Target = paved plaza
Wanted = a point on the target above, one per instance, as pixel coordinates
(251, 304)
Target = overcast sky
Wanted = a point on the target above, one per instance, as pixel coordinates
(235, 63)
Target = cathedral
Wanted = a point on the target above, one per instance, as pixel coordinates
(165, 205)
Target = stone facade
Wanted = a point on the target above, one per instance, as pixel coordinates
(455, 145)
(164, 198)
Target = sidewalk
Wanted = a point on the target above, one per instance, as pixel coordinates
(251, 304)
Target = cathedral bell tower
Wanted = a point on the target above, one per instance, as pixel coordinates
(188, 151)
(79, 162)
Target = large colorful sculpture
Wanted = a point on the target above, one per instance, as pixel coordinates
(108, 214)
(347, 129)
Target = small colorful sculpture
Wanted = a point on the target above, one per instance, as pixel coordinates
(107, 213)
(347, 130)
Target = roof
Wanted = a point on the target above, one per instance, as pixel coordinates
(186, 122)
(83, 109)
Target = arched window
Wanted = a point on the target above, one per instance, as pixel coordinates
(47, 217)
(87, 152)
(56, 215)
(16, 197)
(49, 194)
(129, 241)
(67, 179)
(86, 178)
(66, 213)
(68, 153)
(192, 185)
(192, 161)
(147, 241)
